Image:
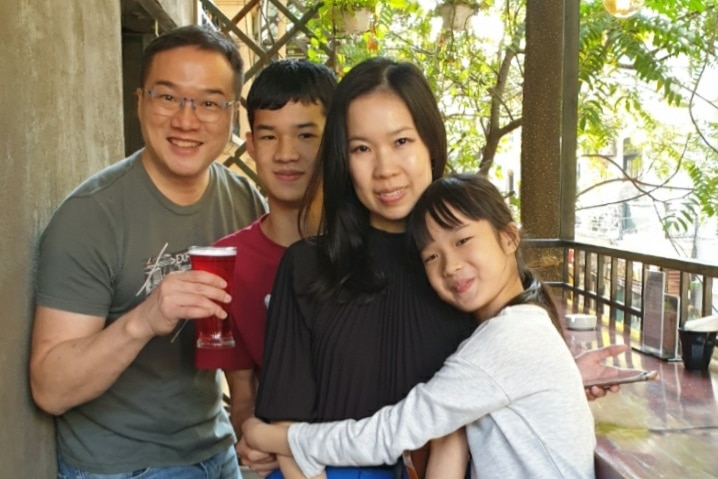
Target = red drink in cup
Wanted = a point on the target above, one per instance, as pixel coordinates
(214, 332)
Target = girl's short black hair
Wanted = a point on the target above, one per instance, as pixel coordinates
(474, 197)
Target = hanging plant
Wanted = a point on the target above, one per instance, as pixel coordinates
(351, 16)
(457, 13)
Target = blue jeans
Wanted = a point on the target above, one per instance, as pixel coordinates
(220, 466)
(352, 473)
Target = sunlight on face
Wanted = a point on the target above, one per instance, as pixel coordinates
(473, 267)
(388, 161)
(284, 144)
(181, 147)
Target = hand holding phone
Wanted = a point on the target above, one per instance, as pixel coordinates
(614, 376)
(595, 371)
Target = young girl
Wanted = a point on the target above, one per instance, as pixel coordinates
(513, 383)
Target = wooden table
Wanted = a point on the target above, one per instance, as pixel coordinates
(664, 428)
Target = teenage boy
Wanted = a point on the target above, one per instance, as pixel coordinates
(110, 356)
(286, 107)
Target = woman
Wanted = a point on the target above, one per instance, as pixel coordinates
(353, 323)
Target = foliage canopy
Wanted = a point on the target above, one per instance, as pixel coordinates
(626, 68)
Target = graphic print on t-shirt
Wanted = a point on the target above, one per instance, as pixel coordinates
(156, 268)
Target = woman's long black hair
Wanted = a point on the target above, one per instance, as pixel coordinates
(476, 198)
(345, 270)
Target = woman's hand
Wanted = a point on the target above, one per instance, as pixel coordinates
(261, 463)
(591, 365)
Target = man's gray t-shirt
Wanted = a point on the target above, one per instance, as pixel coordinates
(99, 256)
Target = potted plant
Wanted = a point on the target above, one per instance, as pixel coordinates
(456, 13)
(351, 16)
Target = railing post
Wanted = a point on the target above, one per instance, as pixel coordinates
(614, 290)
(600, 283)
(628, 295)
(588, 304)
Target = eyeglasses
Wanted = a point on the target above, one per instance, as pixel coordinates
(207, 110)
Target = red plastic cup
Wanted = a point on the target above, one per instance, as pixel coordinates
(213, 332)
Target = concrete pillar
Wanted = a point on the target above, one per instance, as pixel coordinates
(569, 122)
(547, 157)
(61, 120)
(541, 130)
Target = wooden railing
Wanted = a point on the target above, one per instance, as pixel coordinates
(609, 281)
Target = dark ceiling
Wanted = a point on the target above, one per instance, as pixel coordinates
(144, 16)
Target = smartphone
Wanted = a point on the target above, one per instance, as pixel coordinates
(623, 377)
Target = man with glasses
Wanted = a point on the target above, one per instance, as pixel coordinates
(110, 358)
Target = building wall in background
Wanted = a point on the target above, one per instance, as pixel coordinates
(181, 11)
(61, 120)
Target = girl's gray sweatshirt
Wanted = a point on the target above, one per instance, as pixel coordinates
(514, 385)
